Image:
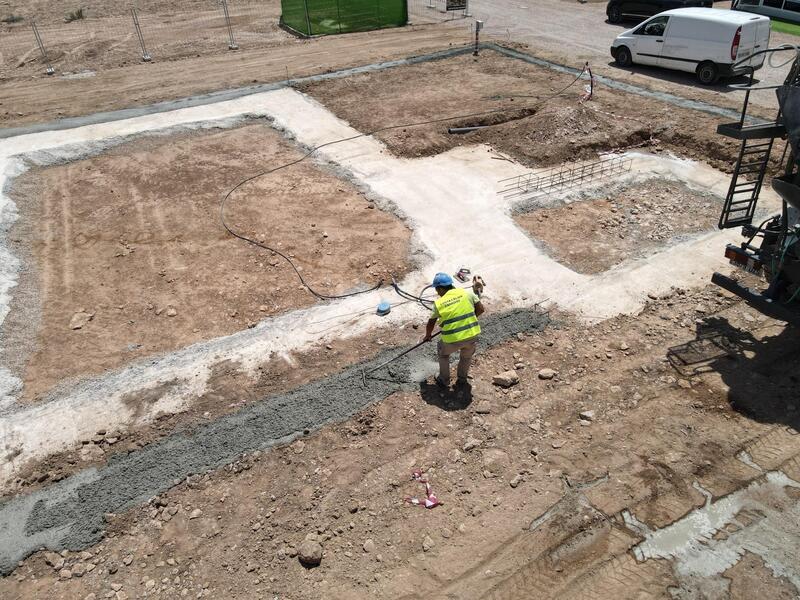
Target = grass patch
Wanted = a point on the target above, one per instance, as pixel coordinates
(785, 27)
(11, 19)
(75, 15)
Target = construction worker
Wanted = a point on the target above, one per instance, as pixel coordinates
(457, 311)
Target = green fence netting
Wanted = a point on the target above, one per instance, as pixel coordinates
(321, 17)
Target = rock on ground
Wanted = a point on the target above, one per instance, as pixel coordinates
(546, 373)
(310, 553)
(506, 379)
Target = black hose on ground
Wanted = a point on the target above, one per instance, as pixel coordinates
(319, 295)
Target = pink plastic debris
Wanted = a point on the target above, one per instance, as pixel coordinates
(430, 500)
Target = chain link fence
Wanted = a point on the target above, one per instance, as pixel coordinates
(75, 40)
(421, 12)
(325, 17)
(59, 36)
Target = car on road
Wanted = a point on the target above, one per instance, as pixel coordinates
(709, 42)
(617, 10)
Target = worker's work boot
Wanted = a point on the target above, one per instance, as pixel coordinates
(441, 383)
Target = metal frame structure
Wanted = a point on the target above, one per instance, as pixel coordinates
(771, 248)
(563, 177)
(232, 45)
(145, 55)
(40, 43)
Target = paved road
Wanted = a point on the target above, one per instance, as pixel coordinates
(576, 32)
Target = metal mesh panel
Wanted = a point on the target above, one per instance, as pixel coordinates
(433, 11)
(323, 17)
(105, 36)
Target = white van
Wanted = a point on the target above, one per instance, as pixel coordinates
(706, 41)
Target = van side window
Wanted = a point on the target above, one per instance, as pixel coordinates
(655, 27)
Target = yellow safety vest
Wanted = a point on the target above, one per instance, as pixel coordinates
(457, 317)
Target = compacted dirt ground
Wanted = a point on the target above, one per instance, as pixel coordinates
(595, 234)
(38, 98)
(533, 479)
(548, 488)
(128, 257)
(105, 37)
(537, 114)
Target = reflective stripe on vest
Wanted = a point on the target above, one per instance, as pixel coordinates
(457, 317)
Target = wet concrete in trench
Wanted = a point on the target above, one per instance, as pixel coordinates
(70, 514)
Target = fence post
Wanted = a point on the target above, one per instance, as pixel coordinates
(50, 70)
(308, 19)
(232, 45)
(145, 56)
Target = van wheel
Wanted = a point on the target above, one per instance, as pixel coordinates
(708, 73)
(623, 57)
(614, 14)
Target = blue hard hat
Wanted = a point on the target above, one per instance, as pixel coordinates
(442, 280)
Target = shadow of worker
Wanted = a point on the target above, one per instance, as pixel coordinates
(450, 399)
(761, 371)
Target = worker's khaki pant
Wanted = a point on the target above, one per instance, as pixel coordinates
(465, 349)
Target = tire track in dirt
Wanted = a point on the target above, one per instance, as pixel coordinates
(772, 449)
(66, 256)
(145, 230)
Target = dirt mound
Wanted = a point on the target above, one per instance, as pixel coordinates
(567, 131)
(571, 122)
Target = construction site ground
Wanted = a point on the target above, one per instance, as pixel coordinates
(617, 222)
(654, 454)
(498, 460)
(555, 31)
(133, 260)
(104, 37)
(532, 122)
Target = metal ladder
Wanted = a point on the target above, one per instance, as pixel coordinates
(754, 153)
(746, 182)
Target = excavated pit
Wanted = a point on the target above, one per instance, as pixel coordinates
(535, 115)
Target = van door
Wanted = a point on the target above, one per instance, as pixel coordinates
(762, 31)
(649, 40)
(747, 40)
(680, 48)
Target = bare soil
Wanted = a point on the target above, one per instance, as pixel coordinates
(532, 493)
(537, 117)
(27, 98)
(593, 235)
(751, 578)
(132, 238)
(227, 391)
(106, 37)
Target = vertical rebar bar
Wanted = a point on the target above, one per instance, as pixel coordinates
(50, 70)
(145, 56)
(232, 45)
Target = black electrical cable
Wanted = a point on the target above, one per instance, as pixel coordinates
(424, 302)
(347, 139)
